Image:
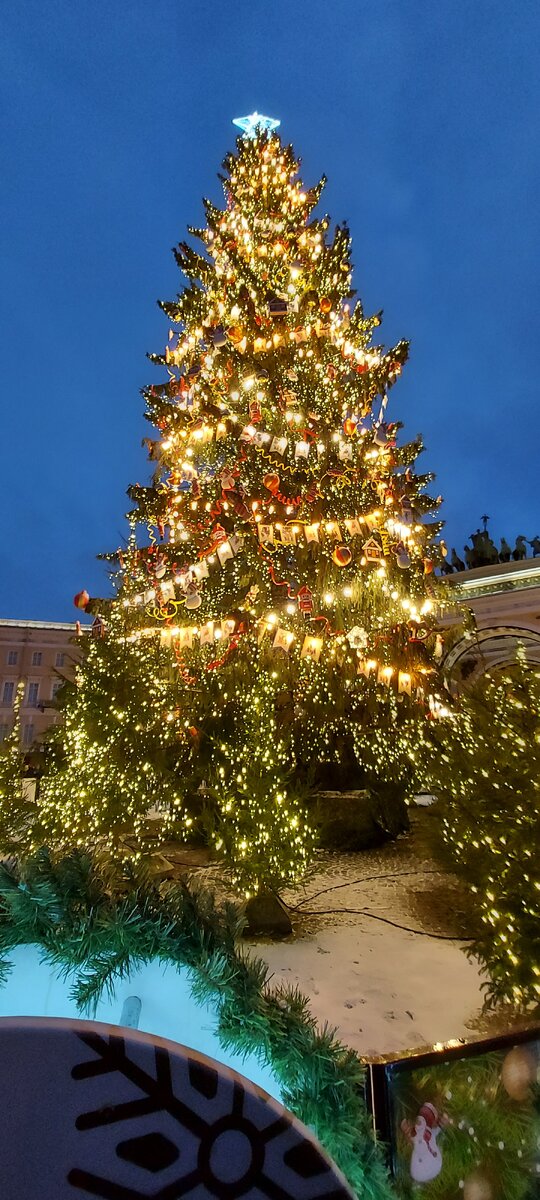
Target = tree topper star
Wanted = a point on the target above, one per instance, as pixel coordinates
(255, 122)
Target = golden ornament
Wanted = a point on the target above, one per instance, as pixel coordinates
(477, 1187)
(518, 1073)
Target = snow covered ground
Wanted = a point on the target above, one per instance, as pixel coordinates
(385, 988)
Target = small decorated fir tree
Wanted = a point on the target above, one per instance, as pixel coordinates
(484, 765)
(275, 615)
(17, 807)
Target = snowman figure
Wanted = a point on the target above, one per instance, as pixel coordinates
(426, 1158)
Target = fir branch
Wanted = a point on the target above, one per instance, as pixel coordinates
(97, 921)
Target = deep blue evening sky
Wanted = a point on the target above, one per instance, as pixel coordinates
(115, 118)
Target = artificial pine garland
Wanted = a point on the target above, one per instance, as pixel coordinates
(99, 922)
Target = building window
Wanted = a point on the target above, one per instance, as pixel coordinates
(27, 734)
(55, 687)
(13, 658)
(32, 696)
(60, 659)
(36, 658)
(4, 731)
(7, 693)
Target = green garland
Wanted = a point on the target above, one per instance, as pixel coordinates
(101, 921)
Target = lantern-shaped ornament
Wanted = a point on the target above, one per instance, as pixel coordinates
(277, 307)
(305, 599)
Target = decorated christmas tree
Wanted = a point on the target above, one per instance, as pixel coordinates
(273, 620)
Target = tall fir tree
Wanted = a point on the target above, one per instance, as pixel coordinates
(275, 607)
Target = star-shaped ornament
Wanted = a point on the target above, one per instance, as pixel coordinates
(253, 124)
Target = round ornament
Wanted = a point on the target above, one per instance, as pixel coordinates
(235, 334)
(518, 1073)
(325, 304)
(271, 481)
(81, 599)
(342, 556)
(349, 426)
(477, 1187)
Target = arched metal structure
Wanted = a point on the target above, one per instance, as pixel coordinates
(505, 601)
(491, 648)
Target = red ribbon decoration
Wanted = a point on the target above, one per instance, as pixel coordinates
(218, 662)
(188, 679)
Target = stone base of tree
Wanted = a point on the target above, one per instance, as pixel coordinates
(358, 820)
(266, 913)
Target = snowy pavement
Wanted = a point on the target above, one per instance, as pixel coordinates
(386, 989)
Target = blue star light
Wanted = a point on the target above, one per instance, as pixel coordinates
(254, 123)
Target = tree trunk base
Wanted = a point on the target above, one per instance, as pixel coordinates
(267, 914)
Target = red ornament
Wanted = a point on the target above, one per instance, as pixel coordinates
(81, 599)
(342, 556)
(325, 304)
(271, 481)
(428, 566)
(255, 412)
(349, 426)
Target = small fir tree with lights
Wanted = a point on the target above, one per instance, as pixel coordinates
(17, 807)
(484, 765)
(274, 612)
